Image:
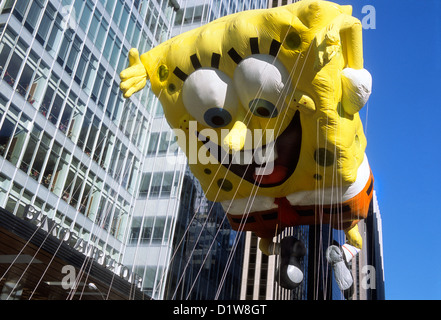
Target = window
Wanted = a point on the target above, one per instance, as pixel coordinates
(89, 78)
(137, 128)
(85, 17)
(107, 153)
(115, 52)
(33, 15)
(73, 55)
(49, 95)
(92, 136)
(118, 10)
(6, 134)
(55, 36)
(135, 230)
(18, 140)
(98, 82)
(57, 105)
(67, 113)
(101, 34)
(38, 85)
(82, 65)
(30, 150)
(124, 19)
(26, 78)
(6, 46)
(118, 109)
(8, 6)
(133, 178)
(164, 142)
(130, 28)
(70, 182)
(84, 129)
(115, 228)
(77, 186)
(13, 67)
(136, 35)
(127, 120)
(40, 156)
(59, 175)
(4, 186)
(109, 44)
(119, 167)
(100, 143)
(77, 6)
(50, 171)
(45, 24)
(75, 124)
(65, 46)
(110, 5)
(127, 170)
(15, 200)
(158, 230)
(112, 99)
(94, 26)
(158, 184)
(167, 184)
(153, 143)
(20, 9)
(104, 91)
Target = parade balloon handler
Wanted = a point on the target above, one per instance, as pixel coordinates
(288, 83)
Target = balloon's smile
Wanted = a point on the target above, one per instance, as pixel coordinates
(270, 174)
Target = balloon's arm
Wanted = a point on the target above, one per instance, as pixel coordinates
(351, 32)
(135, 77)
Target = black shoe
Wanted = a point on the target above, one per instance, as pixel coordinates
(290, 274)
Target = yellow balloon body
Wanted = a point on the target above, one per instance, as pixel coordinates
(308, 44)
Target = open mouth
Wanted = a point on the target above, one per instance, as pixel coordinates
(264, 174)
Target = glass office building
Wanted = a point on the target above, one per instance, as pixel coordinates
(72, 149)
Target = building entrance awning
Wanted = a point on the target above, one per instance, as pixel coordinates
(36, 265)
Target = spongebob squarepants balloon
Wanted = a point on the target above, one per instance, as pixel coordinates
(286, 83)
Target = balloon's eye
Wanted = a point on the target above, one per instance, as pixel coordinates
(209, 96)
(217, 117)
(263, 108)
(261, 84)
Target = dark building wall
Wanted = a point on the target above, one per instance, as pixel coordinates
(208, 253)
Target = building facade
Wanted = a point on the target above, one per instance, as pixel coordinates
(71, 148)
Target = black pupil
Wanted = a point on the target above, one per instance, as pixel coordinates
(218, 120)
(264, 112)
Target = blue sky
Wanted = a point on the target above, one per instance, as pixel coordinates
(403, 54)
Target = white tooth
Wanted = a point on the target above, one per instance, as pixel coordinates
(267, 169)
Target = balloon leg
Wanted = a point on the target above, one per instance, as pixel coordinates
(353, 236)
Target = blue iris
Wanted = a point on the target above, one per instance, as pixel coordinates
(263, 108)
(217, 117)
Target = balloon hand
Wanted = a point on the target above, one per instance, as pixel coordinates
(134, 78)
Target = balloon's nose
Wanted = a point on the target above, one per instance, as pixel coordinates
(235, 139)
